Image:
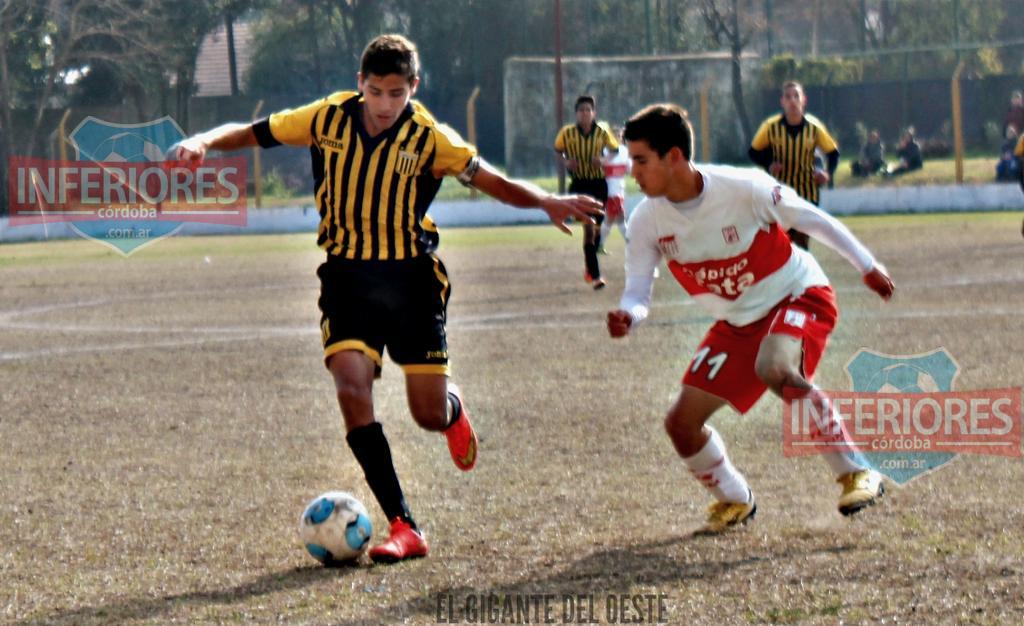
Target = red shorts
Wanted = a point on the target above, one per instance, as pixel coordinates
(614, 208)
(724, 362)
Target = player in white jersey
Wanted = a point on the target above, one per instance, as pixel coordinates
(722, 231)
(616, 166)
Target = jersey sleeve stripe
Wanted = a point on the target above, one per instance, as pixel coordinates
(261, 128)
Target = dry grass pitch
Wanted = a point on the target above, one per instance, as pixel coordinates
(165, 418)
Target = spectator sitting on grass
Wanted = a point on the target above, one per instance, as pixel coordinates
(872, 156)
(1008, 167)
(909, 153)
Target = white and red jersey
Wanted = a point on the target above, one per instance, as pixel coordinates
(728, 247)
(616, 167)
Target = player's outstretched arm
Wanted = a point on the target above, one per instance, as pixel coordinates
(794, 212)
(232, 136)
(877, 279)
(642, 258)
(524, 195)
(837, 236)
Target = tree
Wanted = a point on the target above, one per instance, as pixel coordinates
(726, 28)
(59, 53)
(928, 28)
(308, 47)
(133, 45)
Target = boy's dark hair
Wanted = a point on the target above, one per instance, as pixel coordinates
(585, 100)
(663, 127)
(792, 84)
(390, 54)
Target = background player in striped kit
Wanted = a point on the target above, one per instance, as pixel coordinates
(378, 160)
(579, 147)
(784, 146)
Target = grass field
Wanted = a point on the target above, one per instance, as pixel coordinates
(164, 419)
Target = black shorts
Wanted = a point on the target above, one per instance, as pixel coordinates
(596, 188)
(399, 305)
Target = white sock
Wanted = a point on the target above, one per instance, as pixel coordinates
(840, 462)
(711, 466)
(606, 229)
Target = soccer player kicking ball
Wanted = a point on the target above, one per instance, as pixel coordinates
(378, 160)
(722, 231)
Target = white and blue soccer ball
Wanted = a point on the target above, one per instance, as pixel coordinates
(335, 528)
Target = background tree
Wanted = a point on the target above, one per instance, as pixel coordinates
(728, 28)
(306, 48)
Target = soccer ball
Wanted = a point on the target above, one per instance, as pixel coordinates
(903, 378)
(335, 527)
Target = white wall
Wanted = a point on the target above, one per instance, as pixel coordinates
(859, 201)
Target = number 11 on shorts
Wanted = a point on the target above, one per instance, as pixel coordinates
(715, 363)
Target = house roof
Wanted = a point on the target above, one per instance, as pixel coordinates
(213, 75)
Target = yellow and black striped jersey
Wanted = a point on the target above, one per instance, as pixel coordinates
(793, 146)
(372, 192)
(583, 147)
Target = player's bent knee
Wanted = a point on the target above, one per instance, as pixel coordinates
(430, 410)
(430, 419)
(681, 426)
(686, 434)
(774, 374)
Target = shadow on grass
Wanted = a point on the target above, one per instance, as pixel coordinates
(609, 571)
(150, 608)
(601, 573)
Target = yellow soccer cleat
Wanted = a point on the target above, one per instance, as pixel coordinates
(724, 515)
(860, 489)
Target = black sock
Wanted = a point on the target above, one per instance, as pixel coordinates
(371, 449)
(590, 256)
(456, 413)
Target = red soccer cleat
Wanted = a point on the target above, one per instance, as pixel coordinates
(462, 441)
(404, 543)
